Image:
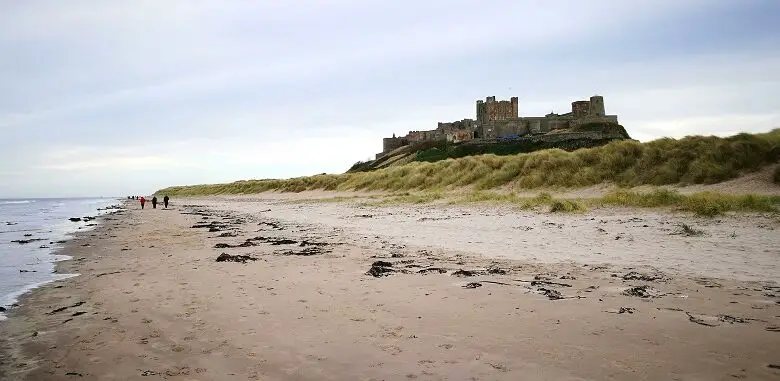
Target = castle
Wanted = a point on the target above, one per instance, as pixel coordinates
(498, 120)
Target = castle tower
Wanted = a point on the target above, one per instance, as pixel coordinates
(580, 109)
(480, 111)
(596, 106)
(514, 106)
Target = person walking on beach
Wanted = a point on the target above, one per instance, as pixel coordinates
(165, 201)
(154, 202)
(143, 202)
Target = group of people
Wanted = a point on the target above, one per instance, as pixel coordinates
(142, 199)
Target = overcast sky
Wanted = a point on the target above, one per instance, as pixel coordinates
(125, 97)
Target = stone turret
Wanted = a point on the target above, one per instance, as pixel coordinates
(596, 106)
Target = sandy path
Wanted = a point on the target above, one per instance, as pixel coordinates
(164, 309)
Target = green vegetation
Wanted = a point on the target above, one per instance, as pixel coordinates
(702, 203)
(691, 160)
(776, 175)
(542, 199)
(690, 231)
(706, 204)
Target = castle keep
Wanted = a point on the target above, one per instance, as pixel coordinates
(498, 120)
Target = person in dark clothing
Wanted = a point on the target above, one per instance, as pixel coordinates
(165, 201)
(154, 202)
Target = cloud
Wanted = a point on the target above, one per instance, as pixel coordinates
(106, 96)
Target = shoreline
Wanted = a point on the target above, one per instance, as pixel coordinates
(55, 246)
(61, 274)
(157, 304)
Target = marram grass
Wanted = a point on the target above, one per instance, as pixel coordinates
(702, 203)
(706, 204)
(690, 160)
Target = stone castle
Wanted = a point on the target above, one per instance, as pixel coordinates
(499, 120)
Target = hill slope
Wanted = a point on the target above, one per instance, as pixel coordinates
(690, 160)
(583, 136)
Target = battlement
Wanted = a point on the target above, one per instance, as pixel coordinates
(490, 109)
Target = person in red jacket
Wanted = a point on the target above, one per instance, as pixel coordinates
(143, 201)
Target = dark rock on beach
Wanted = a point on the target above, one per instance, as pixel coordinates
(633, 275)
(26, 241)
(550, 293)
(380, 269)
(639, 291)
(224, 257)
(307, 251)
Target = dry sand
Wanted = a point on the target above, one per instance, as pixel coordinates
(542, 297)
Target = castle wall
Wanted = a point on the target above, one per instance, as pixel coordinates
(389, 144)
(456, 136)
(595, 119)
(580, 109)
(492, 110)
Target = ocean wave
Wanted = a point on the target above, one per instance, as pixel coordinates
(4, 202)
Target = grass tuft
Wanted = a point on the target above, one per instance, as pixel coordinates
(567, 206)
(689, 231)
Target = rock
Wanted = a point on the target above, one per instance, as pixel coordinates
(633, 275)
(308, 251)
(2, 309)
(462, 272)
(75, 219)
(309, 243)
(550, 293)
(640, 292)
(26, 241)
(380, 268)
(224, 257)
(284, 242)
(246, 243)
(496, 271)
(623, 310)
(472, 285)
(432, 270)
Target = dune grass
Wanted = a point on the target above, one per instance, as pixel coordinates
(706, 204)
(776, 175)
(690, 160)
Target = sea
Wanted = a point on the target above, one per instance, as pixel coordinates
(31, 231)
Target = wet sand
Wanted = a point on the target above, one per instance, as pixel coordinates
(340, 291)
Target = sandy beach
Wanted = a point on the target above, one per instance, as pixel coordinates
(347, 291)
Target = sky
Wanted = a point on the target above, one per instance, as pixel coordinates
(113, 98)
